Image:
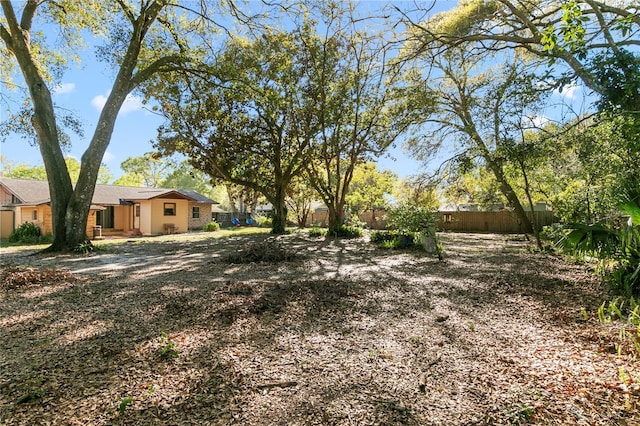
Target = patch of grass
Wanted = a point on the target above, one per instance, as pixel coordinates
(518, 413)
(626, 313)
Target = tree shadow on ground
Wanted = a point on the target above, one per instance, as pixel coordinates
(339, 337)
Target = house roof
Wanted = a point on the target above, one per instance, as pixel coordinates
(199, 198)
(36, 192)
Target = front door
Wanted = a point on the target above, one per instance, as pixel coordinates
(136, 216)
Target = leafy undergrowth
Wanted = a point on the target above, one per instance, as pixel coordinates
(348, 335)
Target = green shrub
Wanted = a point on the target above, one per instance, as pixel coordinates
(382, 236)
(28, 233)
(395, 239)
(211, 227)
(408, 218)
(553, 233)
(355, 221)
(316, 231)
(344, 231)
(263, 221)
(616, 246)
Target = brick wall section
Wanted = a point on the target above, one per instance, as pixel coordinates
(205, 216)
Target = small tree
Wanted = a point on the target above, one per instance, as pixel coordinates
(369, 189)
(416, 221)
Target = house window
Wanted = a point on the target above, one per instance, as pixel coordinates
(169, 209)
(137, 210)
(15, 200)
(34, 215)
(448, 217)
(195, 213)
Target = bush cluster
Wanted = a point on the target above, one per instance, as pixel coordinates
(394, 239)
(316, 231)
(408, 218)
(262, 220)
(28, 233)
(211, 227)
(344, 231)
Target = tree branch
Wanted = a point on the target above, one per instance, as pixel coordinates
(28, 13)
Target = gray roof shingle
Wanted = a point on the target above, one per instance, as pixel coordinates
(35, 192)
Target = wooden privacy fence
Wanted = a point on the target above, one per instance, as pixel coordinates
(502, 222)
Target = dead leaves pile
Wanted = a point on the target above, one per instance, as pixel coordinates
(260, 251)
(16, 277)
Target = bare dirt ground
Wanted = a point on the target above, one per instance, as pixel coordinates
(164, 332)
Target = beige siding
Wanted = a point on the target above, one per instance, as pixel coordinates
(91, 222)
(42, 217)
(145, 217)
(5, 197)
(158, 220)
(6, 223)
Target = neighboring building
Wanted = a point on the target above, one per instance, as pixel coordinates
(118, 210)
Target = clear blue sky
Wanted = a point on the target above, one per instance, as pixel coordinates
(84, 89)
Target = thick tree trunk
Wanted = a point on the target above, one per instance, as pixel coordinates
(18, 41)
(336, 215)
(77, 211)
(279, 223)
(60, 187)
(70, 206)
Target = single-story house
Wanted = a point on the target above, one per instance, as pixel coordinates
(115, 210)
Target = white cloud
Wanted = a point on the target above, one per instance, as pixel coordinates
(131, 103)
(108, 157)
(98, 102)
(568, 92)
(63, 88)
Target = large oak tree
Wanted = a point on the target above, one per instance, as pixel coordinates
(250, 120)
(143, 39)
